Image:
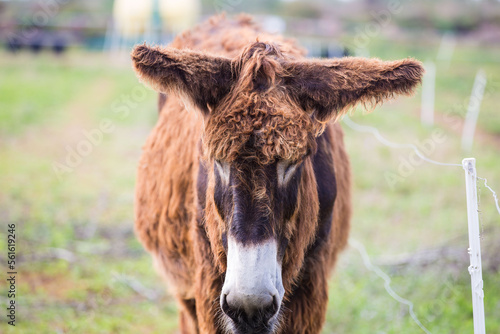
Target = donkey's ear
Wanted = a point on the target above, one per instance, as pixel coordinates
(198, 78)
(329, 88)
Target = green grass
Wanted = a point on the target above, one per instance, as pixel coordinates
(49, 104)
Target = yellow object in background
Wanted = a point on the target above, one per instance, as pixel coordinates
(132, 16)
(179, 15)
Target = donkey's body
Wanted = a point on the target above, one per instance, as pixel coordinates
(180, 203)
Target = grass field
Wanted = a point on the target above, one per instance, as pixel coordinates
(81, 270)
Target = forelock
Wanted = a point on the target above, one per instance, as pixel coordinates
(258, 120)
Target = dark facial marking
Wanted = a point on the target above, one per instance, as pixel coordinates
(326, 185)
(224, 241)
(254, 218)
(201, 186)
(162, 98)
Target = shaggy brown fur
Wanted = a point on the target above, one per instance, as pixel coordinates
(258, 100)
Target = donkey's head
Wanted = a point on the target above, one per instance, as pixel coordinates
(263, 112)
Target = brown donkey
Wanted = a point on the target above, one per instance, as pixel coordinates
(243, 192)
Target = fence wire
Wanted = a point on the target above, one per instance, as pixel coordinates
(359, 246)
(363, 128)
(376, 133)
(493, 193)
(387, 285)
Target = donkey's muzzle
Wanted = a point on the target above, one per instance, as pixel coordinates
(251, 313)
(253, 290)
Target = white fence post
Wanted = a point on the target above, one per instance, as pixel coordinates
(446, 49)
(473, 110)
(475, 269)
(428, 91)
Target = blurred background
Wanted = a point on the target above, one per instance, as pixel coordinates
(73, 118)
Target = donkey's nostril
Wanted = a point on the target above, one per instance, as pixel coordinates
(275, 306)
(224, 305)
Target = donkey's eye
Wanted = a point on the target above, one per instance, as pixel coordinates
(224, 170)
(286, 170)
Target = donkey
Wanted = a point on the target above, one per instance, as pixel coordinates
(243, 190)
